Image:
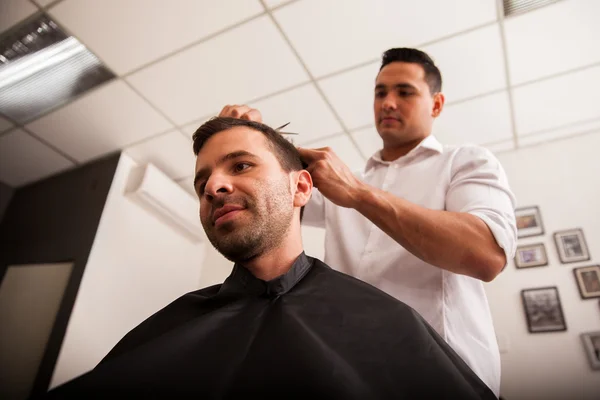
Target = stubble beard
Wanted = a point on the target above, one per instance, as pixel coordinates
(263, 227)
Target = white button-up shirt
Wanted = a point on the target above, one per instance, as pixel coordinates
(452, 178)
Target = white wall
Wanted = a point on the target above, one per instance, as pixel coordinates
(30, 296)
(563, 179)
(137, 265)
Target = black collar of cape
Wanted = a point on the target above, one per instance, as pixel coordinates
(241, 280)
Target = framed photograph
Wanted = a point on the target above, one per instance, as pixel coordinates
(591, 343)
(533, 255)
(571, 246)
(588, 281)
(529, 222)
(543, 310)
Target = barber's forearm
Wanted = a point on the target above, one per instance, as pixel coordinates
(457, 242)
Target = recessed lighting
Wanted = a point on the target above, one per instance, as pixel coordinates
(42, 67)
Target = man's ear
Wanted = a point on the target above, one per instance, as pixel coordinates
(438, 104)
(304, 185)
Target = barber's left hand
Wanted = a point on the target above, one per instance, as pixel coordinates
(331, 176)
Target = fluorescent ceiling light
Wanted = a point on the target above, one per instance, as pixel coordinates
(41, 68)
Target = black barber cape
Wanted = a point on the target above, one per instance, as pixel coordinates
(313, 333)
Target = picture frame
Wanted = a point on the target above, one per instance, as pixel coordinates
(529, 221)
(543, 310)
(571, 246)
(588, 281)
(591, 344)
(532, 255)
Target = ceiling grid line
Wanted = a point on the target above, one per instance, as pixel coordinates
(312, 78)
(49, 145)
(509, 88)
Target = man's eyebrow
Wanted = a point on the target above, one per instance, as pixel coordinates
(204, 171)
(396, 86)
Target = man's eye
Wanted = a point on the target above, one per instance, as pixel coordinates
(201, 188)
(405, 94)
(239, 167)
(379, 94)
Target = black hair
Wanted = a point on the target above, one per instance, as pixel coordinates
(433, 76)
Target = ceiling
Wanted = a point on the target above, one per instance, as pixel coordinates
(509, 82)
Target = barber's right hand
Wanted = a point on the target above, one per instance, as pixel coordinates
(241, 112)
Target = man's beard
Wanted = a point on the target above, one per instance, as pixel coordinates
(262, 226)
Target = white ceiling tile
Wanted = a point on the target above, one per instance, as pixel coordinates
(275, 3)
(44, 3)
(368, 141)
(482, 120)
(345, 150)
(304, 108)
(558, 101)
(553, 39)
(471, 63)
(100, 122)
(248, 62)
(143, 30)
(24, 159)
(190, 128)
(501, 147)
(334, 34)
(14, 11)
(170, 152)
(351, 94)
(5, 124)
(562, 132)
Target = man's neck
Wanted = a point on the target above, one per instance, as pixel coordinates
(394, 152)
(275, 262)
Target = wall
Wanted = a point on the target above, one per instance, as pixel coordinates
(30, 297)
(137, 266)
(563, 179)
(53, 221)
(6, 193)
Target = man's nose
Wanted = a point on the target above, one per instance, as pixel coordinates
(389, 103)
(217, 185)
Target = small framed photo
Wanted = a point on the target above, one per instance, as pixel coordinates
(543, 310)
(571, 246)
(533, 255)
(529, 222)
(591, 343)
(588, 281)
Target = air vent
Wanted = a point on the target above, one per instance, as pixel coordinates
(41, 67)
(515, 7)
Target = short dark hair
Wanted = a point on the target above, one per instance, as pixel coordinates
(286, 153)
(433, 76)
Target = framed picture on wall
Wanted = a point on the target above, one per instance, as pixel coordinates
(571, 246)
(588, 281)
(591, 343)
(533, 255)
(543, 310)
(529, 221)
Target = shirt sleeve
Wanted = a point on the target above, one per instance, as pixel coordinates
(479, 186)
(314, 211)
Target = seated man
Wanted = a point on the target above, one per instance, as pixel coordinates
(283, 325)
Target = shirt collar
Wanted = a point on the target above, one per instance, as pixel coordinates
(429, 143)
(241, 280)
